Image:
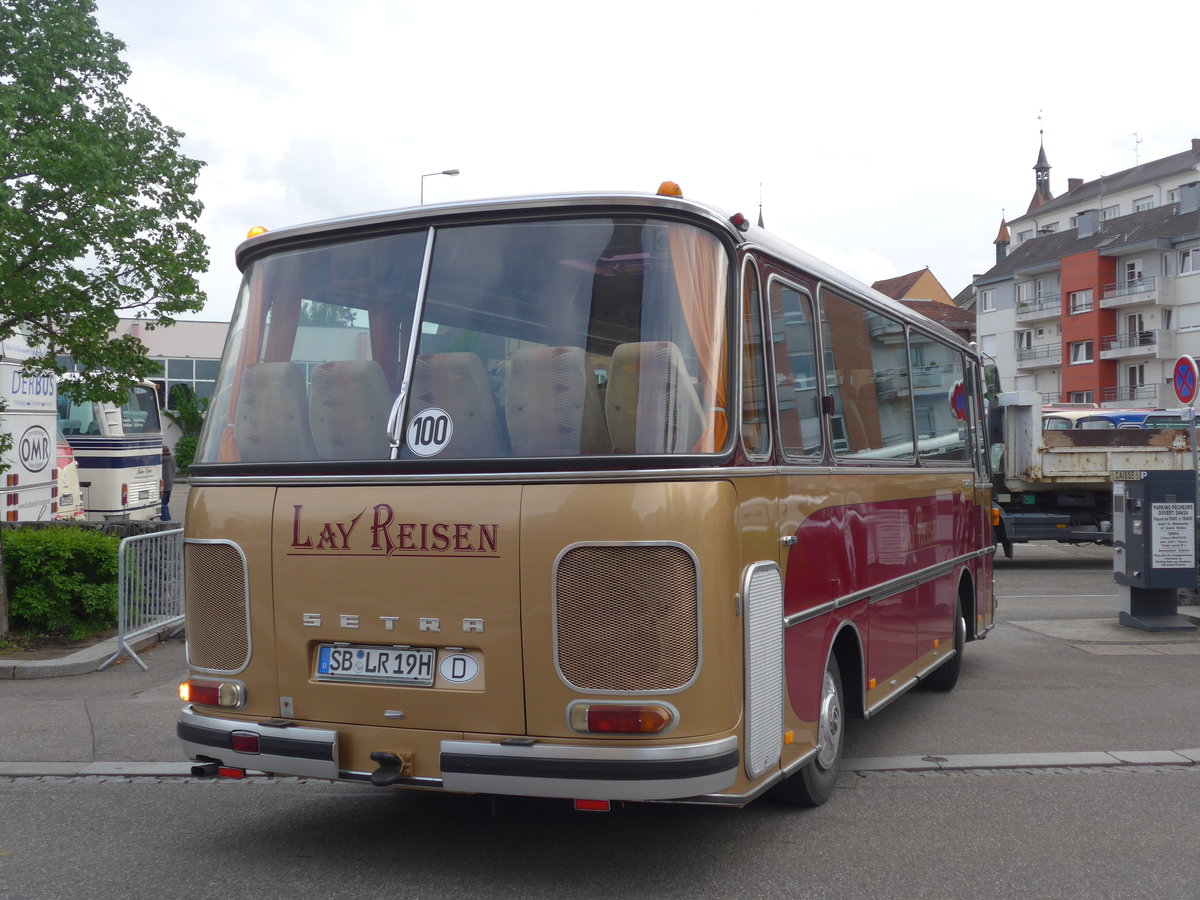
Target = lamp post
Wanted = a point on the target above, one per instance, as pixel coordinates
(426, 175)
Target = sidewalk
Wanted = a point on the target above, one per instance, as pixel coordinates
(120, 721)
(117, 722)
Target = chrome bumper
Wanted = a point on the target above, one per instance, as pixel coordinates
(286, 749)
(519, 766)
(601, 773)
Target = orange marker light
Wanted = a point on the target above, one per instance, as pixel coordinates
(255, 231)
(670, 189)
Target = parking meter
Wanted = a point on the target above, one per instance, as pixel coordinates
(1154, 548)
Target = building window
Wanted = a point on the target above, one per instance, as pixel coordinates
(1132, 270)
(1189, 261)
(197, 374)
(987, 301)
(1143, 203)
(1048, 229)
(1024, 291)
(1173, 196)
(1081, 352)
(1073, 221)
(1024, 235)
(1081, 301)
(1024, 340)
(1110, 212)
(1083, 396)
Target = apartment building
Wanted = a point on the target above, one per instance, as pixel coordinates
(1096, 293)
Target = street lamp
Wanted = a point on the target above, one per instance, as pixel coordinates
(423, 177)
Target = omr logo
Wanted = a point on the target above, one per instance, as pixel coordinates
(34, 448)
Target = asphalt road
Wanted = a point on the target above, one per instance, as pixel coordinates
(1057, 675)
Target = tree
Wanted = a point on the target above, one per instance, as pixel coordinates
(97, 203)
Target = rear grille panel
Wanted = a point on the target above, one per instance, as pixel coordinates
(217, 606)
(627, 617)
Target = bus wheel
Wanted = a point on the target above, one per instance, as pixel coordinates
(813, 784)
(945, 677)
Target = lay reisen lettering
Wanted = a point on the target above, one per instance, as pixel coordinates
(393, 538)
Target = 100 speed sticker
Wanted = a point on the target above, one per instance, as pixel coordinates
(429, 432)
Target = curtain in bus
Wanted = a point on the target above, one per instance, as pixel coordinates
(700, 279)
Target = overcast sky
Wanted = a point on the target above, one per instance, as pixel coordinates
(886, 136)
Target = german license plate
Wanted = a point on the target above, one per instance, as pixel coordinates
(383, 665)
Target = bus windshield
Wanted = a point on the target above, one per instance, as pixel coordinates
(597, 335)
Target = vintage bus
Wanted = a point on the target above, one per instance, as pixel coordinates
(597, 497)
(119, 453)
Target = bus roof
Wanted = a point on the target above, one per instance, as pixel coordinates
(749, 235)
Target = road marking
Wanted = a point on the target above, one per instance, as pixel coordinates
(954, 762)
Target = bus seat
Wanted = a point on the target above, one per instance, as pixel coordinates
(552, 405)
(348, 410)
(69, 426)
(271, 420)
(650, 402)
(458, 384)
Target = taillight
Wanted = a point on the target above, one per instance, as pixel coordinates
(229, 694)
(995, 517)
(244, 741)
(609, 718)
(124, 495)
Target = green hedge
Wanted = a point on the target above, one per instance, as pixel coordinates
(61, 581)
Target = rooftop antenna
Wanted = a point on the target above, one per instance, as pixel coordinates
(760, 218)
(1137, 142)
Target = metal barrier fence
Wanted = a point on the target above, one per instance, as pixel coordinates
(150, 596)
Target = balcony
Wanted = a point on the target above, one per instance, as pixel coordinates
(1132, 344)
(1046, 306)
(1029, 358)
(1136, 396)
(1139, 292)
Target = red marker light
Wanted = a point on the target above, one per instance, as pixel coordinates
(244, 742)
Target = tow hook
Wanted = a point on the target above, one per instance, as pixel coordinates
(391, 767)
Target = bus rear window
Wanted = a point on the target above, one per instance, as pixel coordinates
(594, 336)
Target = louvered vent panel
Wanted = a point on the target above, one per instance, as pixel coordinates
(216, 606)
(627, 618)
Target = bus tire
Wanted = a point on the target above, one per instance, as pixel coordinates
(813, 784)
(945, 677)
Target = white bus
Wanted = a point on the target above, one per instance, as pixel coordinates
(29, 475)
(119, 452)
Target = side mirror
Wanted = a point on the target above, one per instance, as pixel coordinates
(991, 381)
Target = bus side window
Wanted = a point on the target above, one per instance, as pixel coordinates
(795, 353)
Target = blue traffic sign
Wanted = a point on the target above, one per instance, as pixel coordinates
(1186, 379)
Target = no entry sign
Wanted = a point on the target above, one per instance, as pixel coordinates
(1186, 379)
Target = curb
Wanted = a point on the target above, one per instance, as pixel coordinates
(89, 659)
(898, 764)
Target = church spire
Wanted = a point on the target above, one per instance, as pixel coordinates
(1041, 193)
(1002, 241)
